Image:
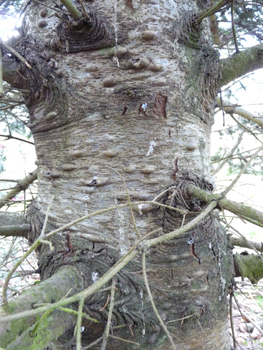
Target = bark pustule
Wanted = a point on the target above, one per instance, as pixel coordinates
(125, 89)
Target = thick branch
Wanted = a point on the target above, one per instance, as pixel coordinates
(240, 242)
(244, 211)
(241, 63)
(72, 9)
(231, 108)
(250, 266)
(8, 219)
(20, 186)
(15, 230)
(53, 289)
(55, 329)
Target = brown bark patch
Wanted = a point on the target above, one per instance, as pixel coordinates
(159, 108)
(129, 4)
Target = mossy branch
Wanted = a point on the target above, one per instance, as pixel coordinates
(240, 64)
(75, 13)
(211, 10)
(250, 266)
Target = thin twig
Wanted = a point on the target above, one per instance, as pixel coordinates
(105, 303)
(112, 271)
(231, 319)
(246, 316)
(16, 138)
(245, 128)
(42, 234)
(223, 162)
(52, 8)
(251, 246)
(233, 26)
(125, 340)
(107, 329)
(242, 171)
(15, 53)
(92, 344)
(19, 262)
(152, 302)
(78, 325)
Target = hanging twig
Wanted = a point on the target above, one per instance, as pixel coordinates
(152, 302)
(231, 318)
(78, 325)
(233, 27)
(107, 329)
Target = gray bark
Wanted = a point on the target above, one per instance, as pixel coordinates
(127, 92)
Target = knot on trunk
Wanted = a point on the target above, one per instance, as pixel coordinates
(189, 31)
(88, 34)
(177, 196)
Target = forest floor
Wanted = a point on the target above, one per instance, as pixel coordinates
(247, 315)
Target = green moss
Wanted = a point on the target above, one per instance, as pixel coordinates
(250, 266)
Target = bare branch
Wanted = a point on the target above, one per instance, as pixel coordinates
(16, 138)
(244, 211)
(240, 242)
(20, 186)
(231, 108)
(15, 230)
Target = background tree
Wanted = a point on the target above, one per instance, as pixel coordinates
(121, 97)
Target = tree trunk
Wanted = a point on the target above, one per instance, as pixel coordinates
(125, 93)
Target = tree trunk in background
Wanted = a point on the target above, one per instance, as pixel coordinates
(129, 92)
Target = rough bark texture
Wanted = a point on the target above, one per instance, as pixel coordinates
(126, 89)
